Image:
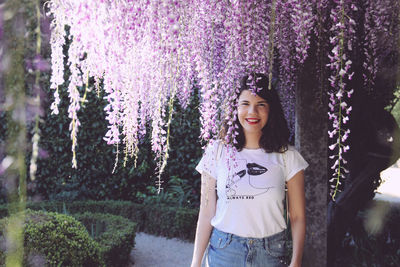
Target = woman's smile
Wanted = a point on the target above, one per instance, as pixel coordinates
(252, 120)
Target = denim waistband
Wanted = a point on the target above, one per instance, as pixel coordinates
(275, 237)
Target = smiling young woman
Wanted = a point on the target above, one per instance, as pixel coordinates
(242, 222)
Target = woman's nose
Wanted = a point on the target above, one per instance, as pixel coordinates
(252, 109)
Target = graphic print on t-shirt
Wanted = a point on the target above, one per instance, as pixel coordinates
(247, 181)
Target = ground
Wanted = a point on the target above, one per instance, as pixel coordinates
(156, 251)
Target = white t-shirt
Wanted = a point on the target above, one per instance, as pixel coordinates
(250, 202)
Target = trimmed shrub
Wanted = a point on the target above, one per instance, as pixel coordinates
(115, 235)
(57, 240)
(153, 219)
(170, 221)
(132, 211)
(122, 208)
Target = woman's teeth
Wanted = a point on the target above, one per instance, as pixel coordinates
(252, 120)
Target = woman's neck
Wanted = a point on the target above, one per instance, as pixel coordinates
(252, 141)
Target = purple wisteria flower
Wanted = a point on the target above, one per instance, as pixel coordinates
(340, 65)
(149, 53)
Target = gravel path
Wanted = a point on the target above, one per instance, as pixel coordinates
(154, 251)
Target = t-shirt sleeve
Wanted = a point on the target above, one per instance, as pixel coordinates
(294, 163)
(208, 162)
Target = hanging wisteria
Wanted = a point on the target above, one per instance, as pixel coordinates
(380, 22)
(381, 35)
(149, 54)
(295, 21)
(340, 64)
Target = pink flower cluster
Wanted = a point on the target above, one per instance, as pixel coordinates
(295, 20)
(342, 39)
(150, 52)
(380, 32)
(379, 35)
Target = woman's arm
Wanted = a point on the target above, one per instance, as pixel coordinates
(297, 216)
(208, 200)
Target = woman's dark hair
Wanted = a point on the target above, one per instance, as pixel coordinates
(275, 134)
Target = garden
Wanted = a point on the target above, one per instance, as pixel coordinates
(105, 108)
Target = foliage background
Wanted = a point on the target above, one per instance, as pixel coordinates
(93, 179)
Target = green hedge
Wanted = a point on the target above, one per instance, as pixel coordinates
(53, 239)
(153, 219)
(170, 221)
(115, 235)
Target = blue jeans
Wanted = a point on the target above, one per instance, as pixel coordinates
(229, 250)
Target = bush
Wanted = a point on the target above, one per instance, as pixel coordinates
(57, 240)
(170, 221)
(132, 211)
(115, 235)
(153, 219)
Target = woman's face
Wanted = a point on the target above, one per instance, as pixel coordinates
(253, 112)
